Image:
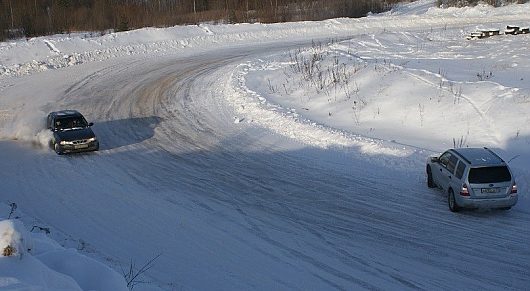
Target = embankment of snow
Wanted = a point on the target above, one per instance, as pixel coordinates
(430, 8)
(32, 261)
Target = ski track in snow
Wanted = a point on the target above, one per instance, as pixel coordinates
(274, 201)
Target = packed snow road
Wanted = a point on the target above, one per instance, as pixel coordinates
(234, 206)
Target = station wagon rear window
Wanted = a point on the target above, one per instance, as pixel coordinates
(489, 175)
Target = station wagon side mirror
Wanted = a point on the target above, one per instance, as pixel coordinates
(90, 124)
(435, 159)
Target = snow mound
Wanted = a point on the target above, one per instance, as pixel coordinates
(430, 8)
(35, 262)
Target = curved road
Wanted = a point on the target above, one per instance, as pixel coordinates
(235, 206)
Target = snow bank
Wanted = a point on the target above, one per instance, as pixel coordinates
(39, 263)
(429, 8)
(88, 273)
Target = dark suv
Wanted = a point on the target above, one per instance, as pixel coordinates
(71, 132)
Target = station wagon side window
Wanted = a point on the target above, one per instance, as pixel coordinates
(444, 159)
(460, 170)
(451, 165)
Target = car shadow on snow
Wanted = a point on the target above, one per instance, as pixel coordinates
(123, 132)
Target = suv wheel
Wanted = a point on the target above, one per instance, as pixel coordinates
(453, 205)
(430, 181)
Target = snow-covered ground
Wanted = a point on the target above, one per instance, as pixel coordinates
(268, 156)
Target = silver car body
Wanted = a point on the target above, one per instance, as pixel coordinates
(477, 177)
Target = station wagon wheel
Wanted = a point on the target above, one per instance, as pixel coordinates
(453, 206)
(430, 181)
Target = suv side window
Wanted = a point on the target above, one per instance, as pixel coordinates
(460, 170)
(451, 165)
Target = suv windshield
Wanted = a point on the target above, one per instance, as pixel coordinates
(70, 123)
(489, 175)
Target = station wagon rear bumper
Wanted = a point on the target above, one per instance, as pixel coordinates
(508, 201)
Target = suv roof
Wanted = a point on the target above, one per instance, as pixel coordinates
(479, 156)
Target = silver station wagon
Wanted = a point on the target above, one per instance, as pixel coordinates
(472, 178)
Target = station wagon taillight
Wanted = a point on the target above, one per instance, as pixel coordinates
(464, 191)
(514, 188)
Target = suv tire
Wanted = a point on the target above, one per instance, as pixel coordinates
(451, 201)
(430, 181)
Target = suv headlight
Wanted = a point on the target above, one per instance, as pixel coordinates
(91, 139)
(63, 142)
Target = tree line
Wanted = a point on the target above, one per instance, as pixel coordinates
(28, 18)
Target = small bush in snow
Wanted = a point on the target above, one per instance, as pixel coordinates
(133, 274)
(483, 76)
(14, 238)
(9, 251)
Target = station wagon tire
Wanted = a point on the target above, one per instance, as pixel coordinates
(453, 205)
(430, 181)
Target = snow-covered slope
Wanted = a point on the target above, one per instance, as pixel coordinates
(235, 170)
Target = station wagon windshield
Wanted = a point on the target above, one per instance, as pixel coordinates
(70, 123)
